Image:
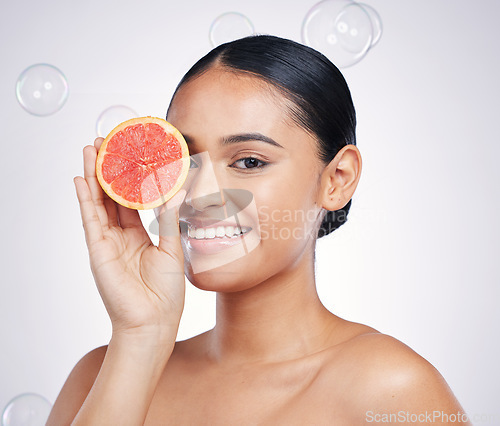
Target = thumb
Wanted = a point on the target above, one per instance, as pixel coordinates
(168, 220)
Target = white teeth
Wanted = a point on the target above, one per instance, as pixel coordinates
(219, 232)
(229, 231)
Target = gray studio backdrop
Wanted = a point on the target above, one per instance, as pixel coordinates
(418, 258)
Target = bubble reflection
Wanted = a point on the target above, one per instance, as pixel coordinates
(228, 27)
(343, 30)
(111, 117)
(27, 409)
(42, 89)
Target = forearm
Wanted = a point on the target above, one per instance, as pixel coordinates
(125, 385)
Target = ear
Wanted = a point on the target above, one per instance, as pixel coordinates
(340, 178)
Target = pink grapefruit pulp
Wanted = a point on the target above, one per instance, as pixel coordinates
(142, 163)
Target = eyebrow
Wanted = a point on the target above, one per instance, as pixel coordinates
(242, 137)
(245, 137)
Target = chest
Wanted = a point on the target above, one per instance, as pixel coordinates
(247, 396)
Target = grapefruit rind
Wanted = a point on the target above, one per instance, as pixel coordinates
(163, 198)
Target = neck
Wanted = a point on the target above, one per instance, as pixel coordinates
(281, 318)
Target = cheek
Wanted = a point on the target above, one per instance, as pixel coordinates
(287, 212)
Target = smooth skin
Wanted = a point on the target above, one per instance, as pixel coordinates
(276, 354)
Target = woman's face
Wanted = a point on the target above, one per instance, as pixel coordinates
(252, 167)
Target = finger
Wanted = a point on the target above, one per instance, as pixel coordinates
(168, 219)
(109, 204)
(90, 219)
(111, 210)
(129, 218)
(98, 196)
(98, 142)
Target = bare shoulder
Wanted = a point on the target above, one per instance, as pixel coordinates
(381, 375)
(77, 387)
(190, 349)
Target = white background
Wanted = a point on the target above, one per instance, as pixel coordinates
(418, 258)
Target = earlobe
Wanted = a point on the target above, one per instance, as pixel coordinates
(340, 178)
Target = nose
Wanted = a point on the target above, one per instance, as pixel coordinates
(202, 187)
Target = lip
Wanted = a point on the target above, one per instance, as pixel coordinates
(213, 245)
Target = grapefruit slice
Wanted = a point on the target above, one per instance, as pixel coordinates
(142, 163)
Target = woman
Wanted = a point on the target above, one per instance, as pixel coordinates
(271, 118)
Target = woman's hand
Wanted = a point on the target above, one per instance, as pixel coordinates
(142, 285)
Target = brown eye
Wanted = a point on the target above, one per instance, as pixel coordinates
(249, 163)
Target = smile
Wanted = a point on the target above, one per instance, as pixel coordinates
(213, 239)
(216, 232)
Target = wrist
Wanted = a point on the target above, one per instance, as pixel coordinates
(147, 343)
(152, 333)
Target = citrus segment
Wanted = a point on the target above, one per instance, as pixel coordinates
(142, 163)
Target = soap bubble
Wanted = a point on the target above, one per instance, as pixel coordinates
(111, 117)
(376, 22)
(28, 409)
(340, 29)
(228, 27)
(42, 89)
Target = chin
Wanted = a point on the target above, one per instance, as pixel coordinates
(227, 269)
(237, 275)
